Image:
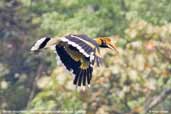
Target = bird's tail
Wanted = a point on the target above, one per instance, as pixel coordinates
(40, 44)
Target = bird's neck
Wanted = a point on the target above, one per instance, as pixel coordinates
(98, 41)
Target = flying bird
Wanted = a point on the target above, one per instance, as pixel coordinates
(78, 53)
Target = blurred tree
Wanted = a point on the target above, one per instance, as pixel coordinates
(16, 32)
(126, 84)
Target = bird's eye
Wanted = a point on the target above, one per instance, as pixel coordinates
(103, 42)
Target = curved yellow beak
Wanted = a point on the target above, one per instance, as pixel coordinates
(112, 46)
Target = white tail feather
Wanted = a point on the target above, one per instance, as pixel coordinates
(37, 45)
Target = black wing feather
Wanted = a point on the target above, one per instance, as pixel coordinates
(81, 76)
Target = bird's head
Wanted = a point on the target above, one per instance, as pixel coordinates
(105, 42)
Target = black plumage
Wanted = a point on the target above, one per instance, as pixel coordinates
(82, 77)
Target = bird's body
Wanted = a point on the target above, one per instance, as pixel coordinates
(78, 53)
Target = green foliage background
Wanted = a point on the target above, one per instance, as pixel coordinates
(127, 82)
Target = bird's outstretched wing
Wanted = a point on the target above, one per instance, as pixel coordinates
(81, 70)
(86, 46)
(78, 54)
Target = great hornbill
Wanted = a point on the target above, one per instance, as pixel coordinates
(78, 53)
